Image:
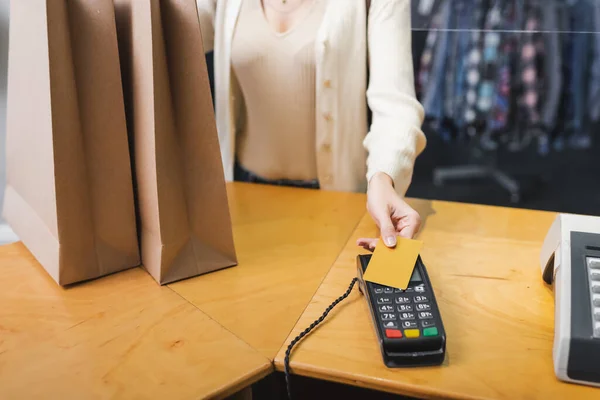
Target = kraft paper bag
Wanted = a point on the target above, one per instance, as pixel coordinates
(69, 194)
(184, 217)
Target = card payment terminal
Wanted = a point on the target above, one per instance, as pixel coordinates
(407, 322)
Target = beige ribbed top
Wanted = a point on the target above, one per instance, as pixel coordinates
(276, 74)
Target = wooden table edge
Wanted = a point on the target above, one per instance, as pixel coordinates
(245, 381)
(404, 389)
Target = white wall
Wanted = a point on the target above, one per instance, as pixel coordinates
(6, 235)
(4, 10)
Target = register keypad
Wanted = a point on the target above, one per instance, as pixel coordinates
(402, 300)
(413, 311)
(406, 316)
(593, 268)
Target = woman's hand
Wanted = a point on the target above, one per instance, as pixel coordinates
(391, 213)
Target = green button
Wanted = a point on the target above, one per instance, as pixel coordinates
(430, 331)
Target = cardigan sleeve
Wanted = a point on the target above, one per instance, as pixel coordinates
(206, 16)
(395, 137)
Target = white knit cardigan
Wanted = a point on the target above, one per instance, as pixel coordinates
(358, 65)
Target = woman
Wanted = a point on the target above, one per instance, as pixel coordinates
(294, 80)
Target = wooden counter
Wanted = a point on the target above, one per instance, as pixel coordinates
(121, 336)
(124, 336)
(498, 315)
(286, 240)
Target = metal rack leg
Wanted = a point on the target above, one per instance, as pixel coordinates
(440, 175)
(508, 183)
(459, 172)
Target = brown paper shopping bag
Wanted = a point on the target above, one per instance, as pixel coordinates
(69, 194)
(181, 194)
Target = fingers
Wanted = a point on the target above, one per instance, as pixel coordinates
(386, 227)
(383, 218)
(388, 232)
(409, 226)
(367, 243)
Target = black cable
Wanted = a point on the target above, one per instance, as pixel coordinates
(306, 331)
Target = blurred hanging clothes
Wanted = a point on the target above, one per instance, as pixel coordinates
(594, 85)
(491, 43)
(531, 56)
(447, 127)
(460, 26)
(520, 74)
(552, 73)
(565, 104)
(433, 62)
(474, 65)
(499, 118)
(466, 13)
(488, 90)
(577, 18)
(421, 12)
(582, 22)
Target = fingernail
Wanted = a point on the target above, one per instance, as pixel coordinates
(390, 241)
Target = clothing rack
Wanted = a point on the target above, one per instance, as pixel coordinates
(481, 165)
(533, 84)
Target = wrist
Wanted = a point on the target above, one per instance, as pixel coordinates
(381, 178)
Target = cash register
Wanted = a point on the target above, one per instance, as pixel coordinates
(570, 263)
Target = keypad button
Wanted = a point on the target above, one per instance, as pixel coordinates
(430, 331)
(406, 316)
(596, 301)
(420, 289)
(388, 290)
(398, 290)
(427, 323)
(390, 324)
(378, 290)
(425, 315)
(405, 307)
(384, 300)
(597, 329)
(421, 299)
(393, 333)
(388, 317)
(410, 290)
(386, 308)
(423, 307)
(409, 324)
(593, 262)
(596, 288)
(597, 313)
(595, 276)
(402, 300)
(412, 333)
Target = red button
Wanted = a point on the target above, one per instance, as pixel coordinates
(393, 333)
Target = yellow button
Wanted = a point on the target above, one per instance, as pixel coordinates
(411, 333)
(326, 147)
(327, 83)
